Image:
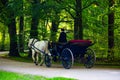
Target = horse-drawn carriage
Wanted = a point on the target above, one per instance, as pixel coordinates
(68, 52)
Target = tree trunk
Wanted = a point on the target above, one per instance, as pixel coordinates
(78, 28)
(21, 35)
(12, 33)
(54, 31)
(111, 31)
(13, 39)
(35, 21)
(34, 28)
(21, 31)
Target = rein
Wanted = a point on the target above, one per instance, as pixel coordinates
(33, 42)
(33, 47)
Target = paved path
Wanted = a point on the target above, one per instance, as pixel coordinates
(79, 73)
(4, 52)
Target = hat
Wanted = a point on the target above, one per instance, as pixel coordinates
(62, 29)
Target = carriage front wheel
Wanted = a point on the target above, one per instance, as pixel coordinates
(67, 58)
(48, 60)
(89, 58)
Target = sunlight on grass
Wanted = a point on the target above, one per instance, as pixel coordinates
(4, 75)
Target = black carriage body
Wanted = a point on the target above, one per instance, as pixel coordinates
(78, 47)
(73, 49)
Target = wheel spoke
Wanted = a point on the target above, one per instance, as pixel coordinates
(89, 58)
(67, 58)
(47, 60)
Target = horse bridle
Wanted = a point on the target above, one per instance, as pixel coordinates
(33, 42)
(33, 47)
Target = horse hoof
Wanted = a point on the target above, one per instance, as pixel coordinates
(36, 64)
(40, 64)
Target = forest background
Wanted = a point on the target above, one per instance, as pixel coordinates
(97, 20)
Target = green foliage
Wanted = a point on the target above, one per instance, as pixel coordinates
(94, 17)
(12, 7)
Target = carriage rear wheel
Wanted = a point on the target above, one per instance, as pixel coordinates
(89, 58)
(67, 58)
(48, 60)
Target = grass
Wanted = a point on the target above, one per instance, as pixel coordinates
(4, 75)
(24, 57)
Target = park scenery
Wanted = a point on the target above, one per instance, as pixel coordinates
(59, 39)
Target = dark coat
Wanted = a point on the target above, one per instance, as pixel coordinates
(62, 37)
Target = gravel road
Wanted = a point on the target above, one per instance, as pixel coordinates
(79, 73)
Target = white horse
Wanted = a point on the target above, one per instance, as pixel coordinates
(38, 48)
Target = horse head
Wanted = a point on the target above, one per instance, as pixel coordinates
(31, 42)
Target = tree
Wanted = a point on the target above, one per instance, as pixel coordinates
(2, 26)
(55, 9)
(111, 30)
(75, 9)
(21, 28)
(21, 34)
(54, 29)
(78, 28)
(10, 22)
(35, 19)
(13, 38)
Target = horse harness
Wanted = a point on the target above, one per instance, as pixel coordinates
(33, 47)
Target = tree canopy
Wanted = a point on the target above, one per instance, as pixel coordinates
(97, 20)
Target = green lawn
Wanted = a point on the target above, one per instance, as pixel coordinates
(16, 76)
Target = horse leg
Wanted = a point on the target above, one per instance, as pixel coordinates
(37, 58)
(33, 56)
(42, 59)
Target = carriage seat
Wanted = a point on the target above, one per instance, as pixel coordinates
(59, 43)
(81, 42)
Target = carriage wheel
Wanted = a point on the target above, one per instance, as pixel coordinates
(89, 58)
(48, 60)
(67, 58)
